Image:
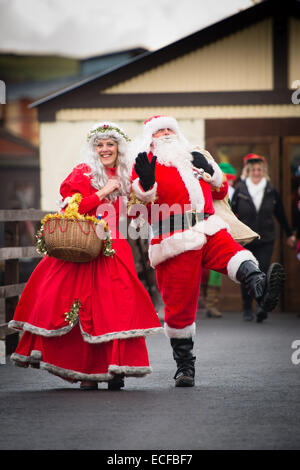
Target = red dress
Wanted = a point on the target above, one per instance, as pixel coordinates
(115, 315)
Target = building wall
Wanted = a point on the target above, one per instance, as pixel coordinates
(241, 61)
(22, 121)
(294, 51)
(179, 112)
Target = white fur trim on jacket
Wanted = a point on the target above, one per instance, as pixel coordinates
(192, 239)
(145, 196)
(217, 177)
(236, 261)
(186, 332)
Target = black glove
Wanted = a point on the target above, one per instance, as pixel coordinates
(199, 161)
(145, 170)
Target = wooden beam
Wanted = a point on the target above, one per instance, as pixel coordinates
(11, 276)
(5, 331)
(252, 127)
(21, 215)
(280, 50)
(141, 100)
(12, 253)
(11, 290)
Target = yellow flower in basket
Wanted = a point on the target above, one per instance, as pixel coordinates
(71, 236)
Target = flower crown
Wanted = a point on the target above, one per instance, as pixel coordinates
(107, 128)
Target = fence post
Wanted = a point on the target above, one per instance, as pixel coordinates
(11, 276)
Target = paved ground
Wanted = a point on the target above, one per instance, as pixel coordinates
(246, 397)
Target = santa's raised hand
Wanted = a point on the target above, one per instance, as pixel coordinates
(145, 170)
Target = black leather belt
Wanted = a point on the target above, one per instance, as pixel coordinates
(178, 222)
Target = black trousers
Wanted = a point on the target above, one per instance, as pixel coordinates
(263, 253)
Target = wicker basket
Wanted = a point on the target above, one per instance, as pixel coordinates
(72, 240)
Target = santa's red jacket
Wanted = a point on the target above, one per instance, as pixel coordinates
(178, 188)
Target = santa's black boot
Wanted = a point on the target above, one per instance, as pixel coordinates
(185, 360)
(265, 288)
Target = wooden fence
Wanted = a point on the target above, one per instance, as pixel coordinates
(10, 256)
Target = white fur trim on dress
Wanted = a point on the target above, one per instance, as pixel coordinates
(18, 325)
(35, 359)
(119, 335)
(191, 239)
(236, 261)
(186, 332)
(145, 196)
(217, 177)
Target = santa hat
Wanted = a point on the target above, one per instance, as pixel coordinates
(228, 170)
(155, 123)
(253, 158)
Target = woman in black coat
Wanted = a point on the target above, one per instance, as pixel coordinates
(255, 202)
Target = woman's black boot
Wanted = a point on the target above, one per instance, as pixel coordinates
(116, 383)
(183, 355)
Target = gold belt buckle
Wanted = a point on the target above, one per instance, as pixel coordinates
(191, 211)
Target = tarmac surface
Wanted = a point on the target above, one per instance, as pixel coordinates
(246, 397)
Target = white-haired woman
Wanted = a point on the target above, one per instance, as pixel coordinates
(256, 202)
(107, 340)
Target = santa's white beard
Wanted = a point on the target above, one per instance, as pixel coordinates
(170, 151)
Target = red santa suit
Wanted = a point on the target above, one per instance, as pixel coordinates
(179, 255)
(116, 311)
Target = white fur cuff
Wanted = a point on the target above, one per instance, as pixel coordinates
(236, 261)
(186, 332)
(145, 196)
(217, 177)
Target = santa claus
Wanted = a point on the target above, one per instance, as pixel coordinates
(178, 185)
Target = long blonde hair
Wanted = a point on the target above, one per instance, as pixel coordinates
(246, 169)
(98, 173)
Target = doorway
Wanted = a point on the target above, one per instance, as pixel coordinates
(232, 150)
(291, 198)
(278, 139)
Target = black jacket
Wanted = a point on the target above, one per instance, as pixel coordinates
(262, 221)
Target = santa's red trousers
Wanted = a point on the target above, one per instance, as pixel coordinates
(179, 278)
